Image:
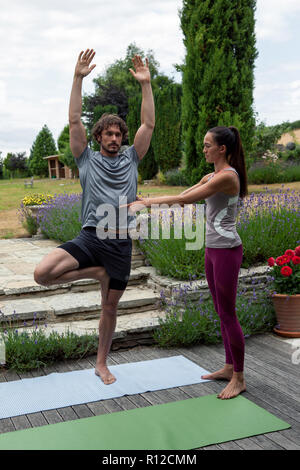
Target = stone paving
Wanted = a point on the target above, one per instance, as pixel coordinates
(72, 306)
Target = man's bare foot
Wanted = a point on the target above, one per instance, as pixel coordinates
(236, 386)
(222, 374)
(105, 375)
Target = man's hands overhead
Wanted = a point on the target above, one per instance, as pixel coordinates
(141, 72)
(83, 67)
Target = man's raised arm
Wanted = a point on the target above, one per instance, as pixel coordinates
(143, 136)
(78, 140)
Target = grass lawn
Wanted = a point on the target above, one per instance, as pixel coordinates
(13, 191)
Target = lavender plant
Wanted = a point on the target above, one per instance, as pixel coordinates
(267, 222)
(60, 220)
(188, 321)
(27, 351)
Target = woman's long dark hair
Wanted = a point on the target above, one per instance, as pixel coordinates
(230, 137)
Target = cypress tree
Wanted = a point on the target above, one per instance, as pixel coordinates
(218, 73)
(148, 166)
(167, 133)
(43, 146)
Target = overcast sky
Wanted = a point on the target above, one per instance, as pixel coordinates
(41, 39)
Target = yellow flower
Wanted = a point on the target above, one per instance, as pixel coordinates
(36, 199)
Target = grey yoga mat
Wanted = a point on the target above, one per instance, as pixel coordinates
(58, 390)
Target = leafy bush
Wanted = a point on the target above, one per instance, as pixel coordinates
(27, 351)
(275, 172)
(61, 220)
(188, 321)
(266, 222)
(176, 177)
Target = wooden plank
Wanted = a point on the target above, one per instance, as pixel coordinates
(37, 419)
(82, 411)
(265, 383)
(97, 408)
(273, 343)
(294, 432)
(67, 413)
(266, 443)
(112, 406)
(139, 401)
(6, 425)
(21, 422)
(124, 403)
(52, 416)
(282, 364)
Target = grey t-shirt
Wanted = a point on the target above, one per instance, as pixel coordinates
(107, 182)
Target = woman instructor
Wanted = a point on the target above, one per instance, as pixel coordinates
(223, 247)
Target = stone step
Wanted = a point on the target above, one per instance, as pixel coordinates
(135, 327)
(28, 287)
(74, 306)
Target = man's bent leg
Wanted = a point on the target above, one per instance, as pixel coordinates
(59, 267)
(107, 325)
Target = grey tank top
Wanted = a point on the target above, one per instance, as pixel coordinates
(221, 213)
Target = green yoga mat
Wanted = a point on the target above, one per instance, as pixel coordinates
(181, 425)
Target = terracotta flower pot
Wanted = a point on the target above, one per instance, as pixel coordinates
(287, 308)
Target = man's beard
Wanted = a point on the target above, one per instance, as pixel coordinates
(110, 149)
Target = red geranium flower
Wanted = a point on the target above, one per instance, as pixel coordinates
(290, 253)
(286, 259)
(278, 261)
(271, 261)
(286, 271)
(296, 260)
(297, 251)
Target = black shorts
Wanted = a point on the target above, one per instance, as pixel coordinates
(113, 255)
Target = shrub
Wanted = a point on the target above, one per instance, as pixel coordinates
(177, 177)
(188, 321)
(27, 351)
(28, 218)
(266, 222)
(61, 220)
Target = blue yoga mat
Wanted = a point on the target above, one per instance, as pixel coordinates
(58, 390)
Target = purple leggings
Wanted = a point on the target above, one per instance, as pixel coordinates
(222, 267)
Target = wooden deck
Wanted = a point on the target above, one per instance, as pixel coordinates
(272, 383)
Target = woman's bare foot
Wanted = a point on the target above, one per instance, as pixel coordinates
(236, 386)
(105, 375)
(222, 374)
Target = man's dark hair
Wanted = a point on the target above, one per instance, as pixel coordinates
(108, 120)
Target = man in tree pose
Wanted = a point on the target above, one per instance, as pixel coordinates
(105, 177)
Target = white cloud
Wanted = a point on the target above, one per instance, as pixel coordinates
(40, 42)
(273, 18)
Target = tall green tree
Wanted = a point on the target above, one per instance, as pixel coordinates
(16, 164)
(43, 146)
(117, 91)
(148, 167)
(218, 73)
(1, 165)
(65, 155)
(115, 87)
(166, 138)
